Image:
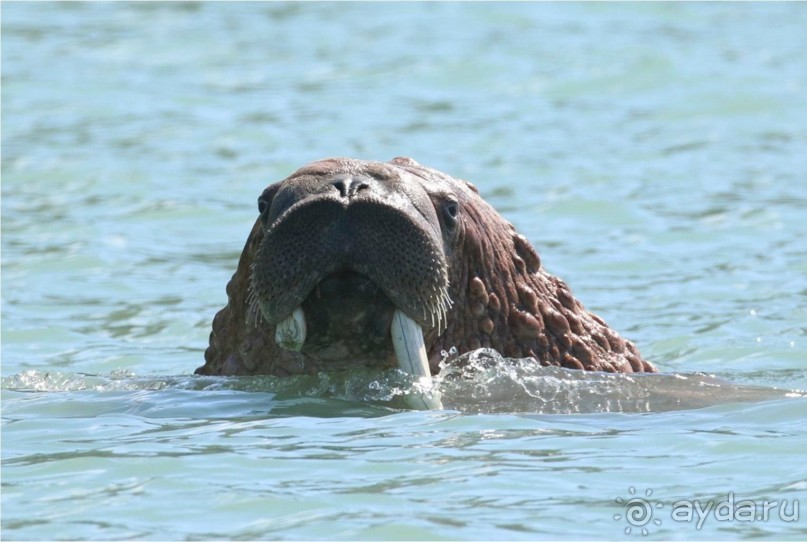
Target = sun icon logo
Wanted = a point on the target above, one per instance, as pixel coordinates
(638, 511)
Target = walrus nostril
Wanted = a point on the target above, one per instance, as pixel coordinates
(349, 187)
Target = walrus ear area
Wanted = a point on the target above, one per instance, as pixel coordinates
(230, 334)
(515, 307)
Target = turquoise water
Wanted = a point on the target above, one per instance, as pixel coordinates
(653, 153)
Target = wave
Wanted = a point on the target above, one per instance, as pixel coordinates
(479, 382)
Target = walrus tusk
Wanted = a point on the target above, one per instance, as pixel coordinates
(407, 339)
(290, 332)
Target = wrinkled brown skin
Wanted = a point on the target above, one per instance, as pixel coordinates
(502, 299)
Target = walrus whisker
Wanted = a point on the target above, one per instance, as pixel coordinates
(442, 306)
(254, 314)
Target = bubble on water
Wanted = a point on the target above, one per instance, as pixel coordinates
(446, 356)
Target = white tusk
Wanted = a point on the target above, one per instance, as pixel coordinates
(407, 339)
(290, 333)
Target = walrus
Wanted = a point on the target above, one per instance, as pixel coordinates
(390, 265)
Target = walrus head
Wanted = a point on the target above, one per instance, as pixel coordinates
(346, 246)
(356, 262)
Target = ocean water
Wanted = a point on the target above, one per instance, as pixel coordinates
(653, 153)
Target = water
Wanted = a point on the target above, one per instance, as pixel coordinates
(653, 153)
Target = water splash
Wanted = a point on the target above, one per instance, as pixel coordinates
(478, 382)
(484, 381)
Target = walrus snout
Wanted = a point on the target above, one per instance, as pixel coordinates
(320, 226)
(351, 267)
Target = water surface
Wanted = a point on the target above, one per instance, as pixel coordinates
(653, 153)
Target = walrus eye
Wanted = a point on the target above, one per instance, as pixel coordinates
(451, 211)
(263, 204)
